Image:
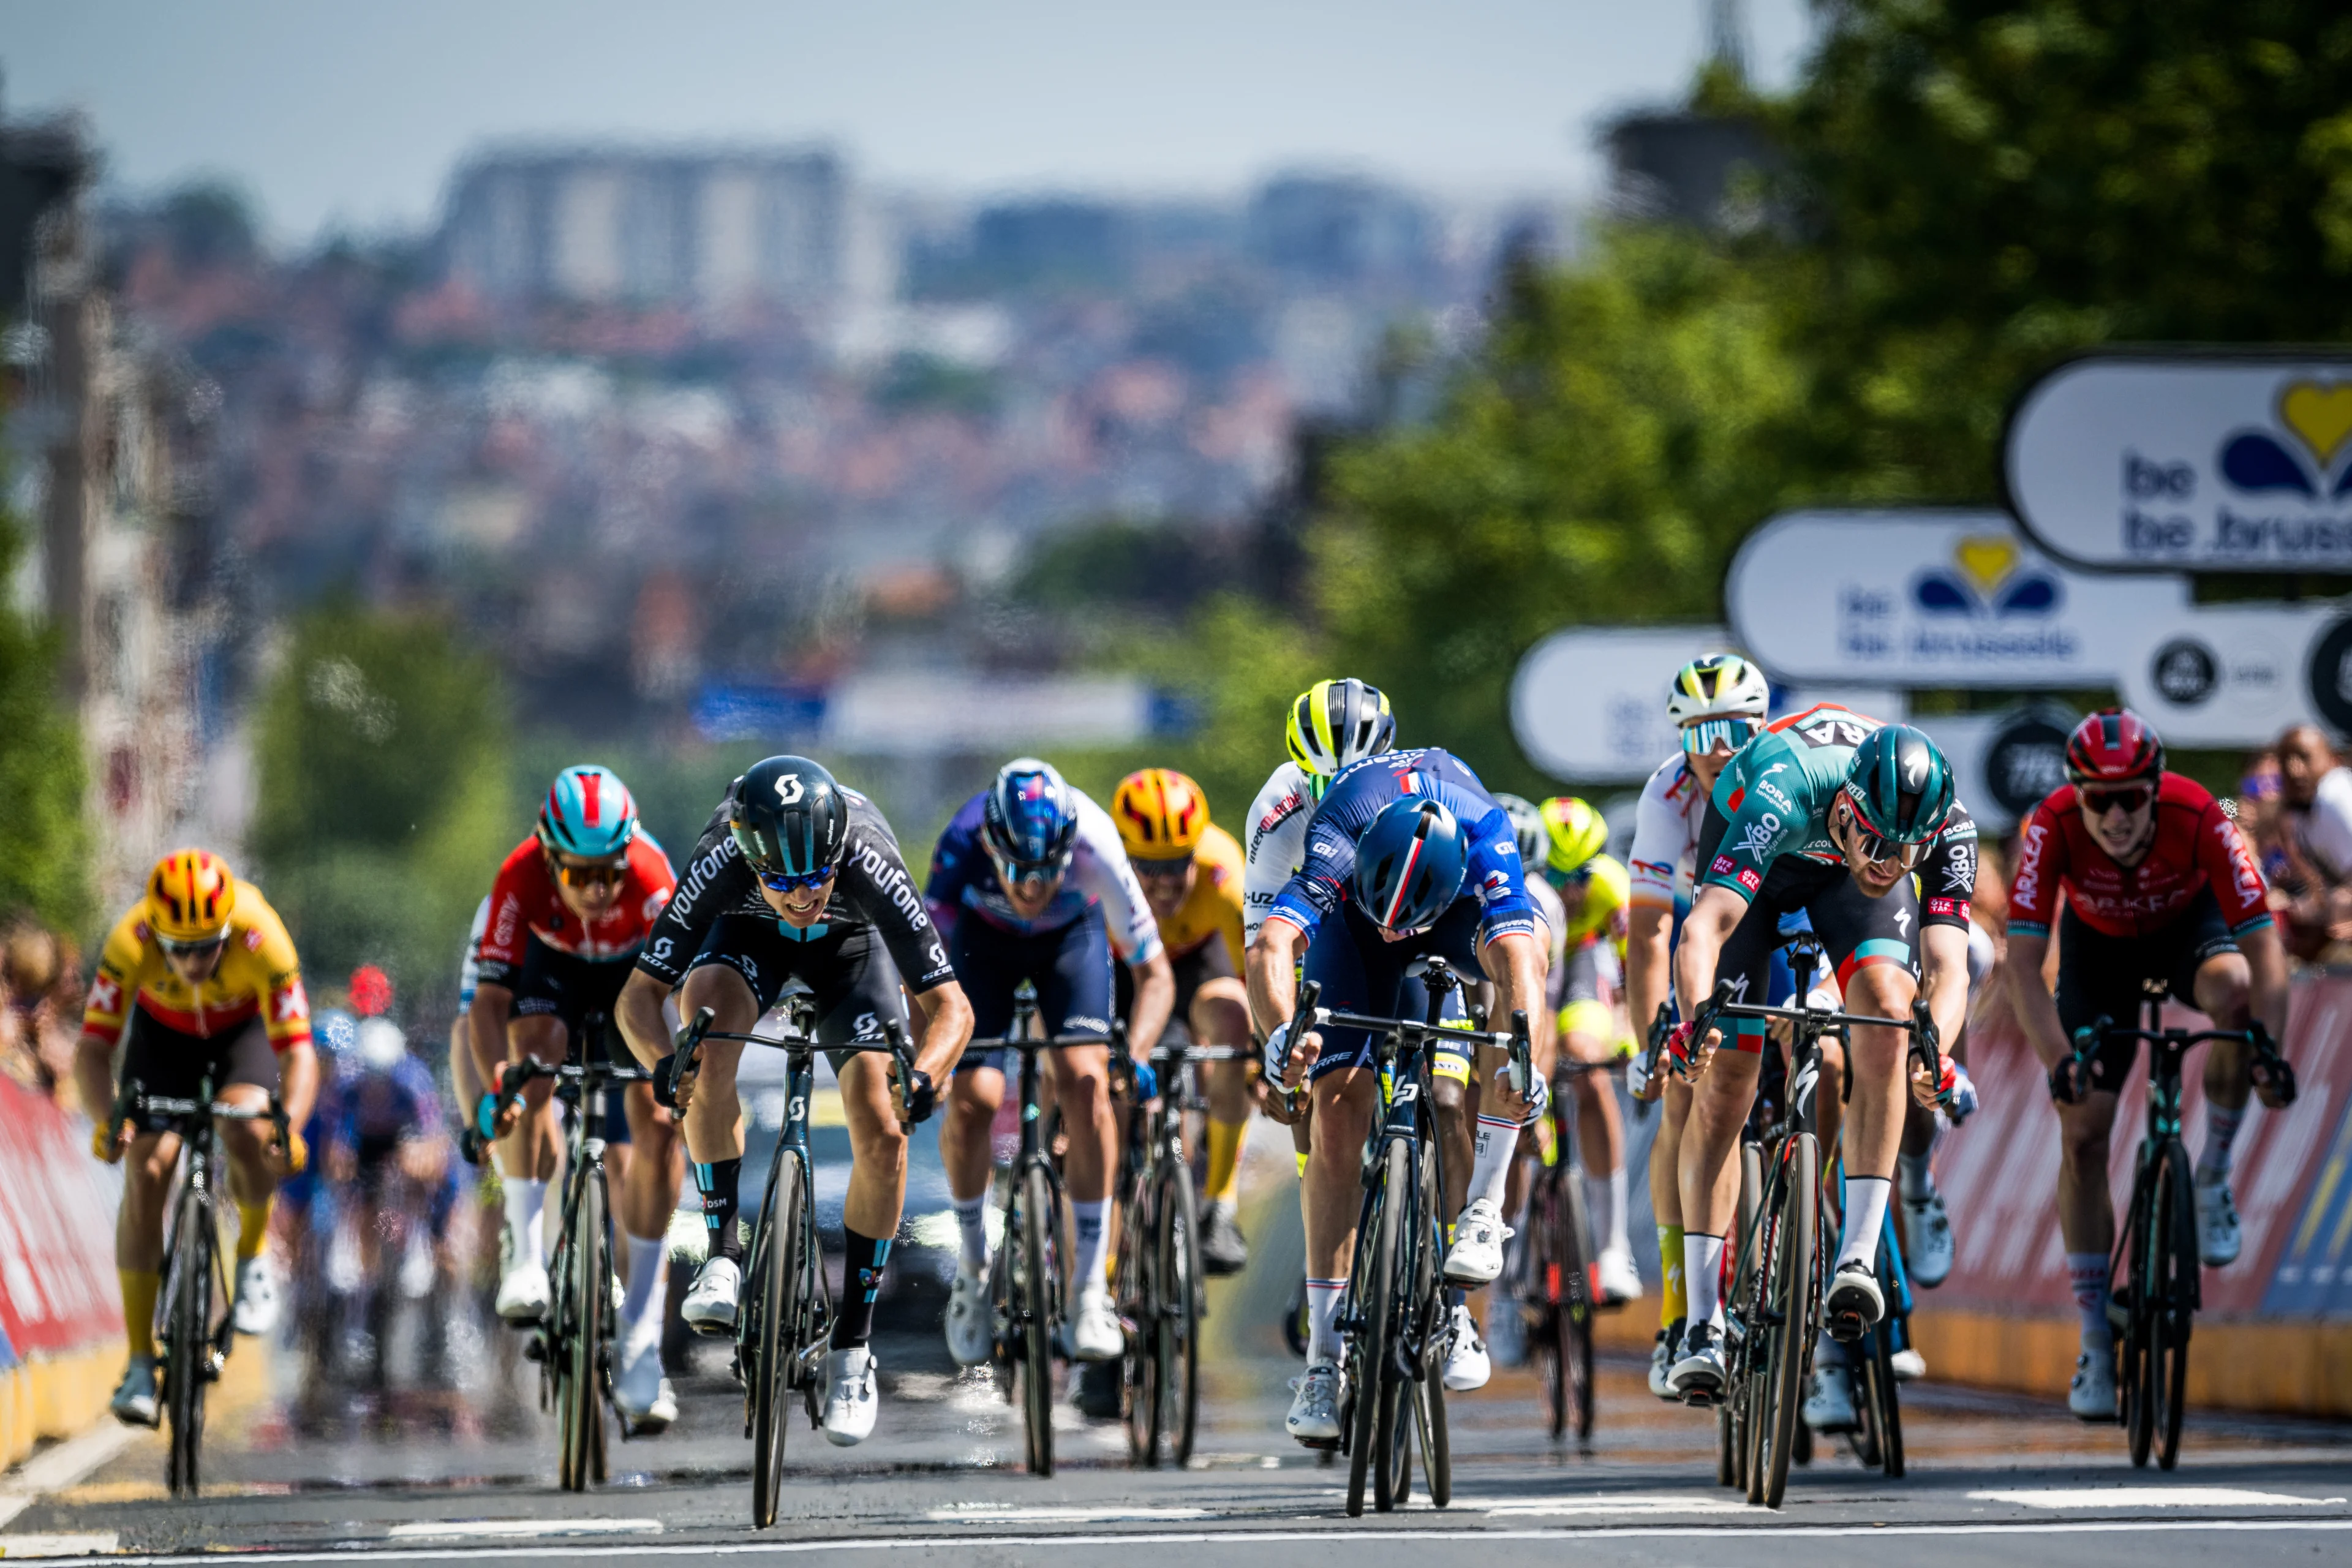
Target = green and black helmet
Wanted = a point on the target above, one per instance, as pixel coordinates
(1900, 785)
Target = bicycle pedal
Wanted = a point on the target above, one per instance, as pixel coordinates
(534, 1347)
(1321, 1445)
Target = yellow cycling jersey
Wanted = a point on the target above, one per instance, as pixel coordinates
(259, 974)
(1608, 890)
(1214, 906)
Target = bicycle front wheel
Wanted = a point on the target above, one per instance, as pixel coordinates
(2168, 1357)
(774, 1308)
(188, 1337)
(1792, 1282)
(580, 1320)
(1177, 1314)
(1036, 1306)
(1371, 1348)
(1138, 1270)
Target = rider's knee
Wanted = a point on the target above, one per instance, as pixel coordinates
(149, 1165)
(2083, 1141)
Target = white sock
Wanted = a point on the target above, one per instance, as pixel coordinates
(1323, 1343)
(640, 1303)
(1865, 1219)
(1605, 1198)
(1703, 1277)
(1490, 1169)
(971, 1224)
(526, 1217)
(2221, 1132)
(1093, 1272)
(2087, 1273)
(1918, 1176)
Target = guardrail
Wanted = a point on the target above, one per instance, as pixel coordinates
(60, 1306)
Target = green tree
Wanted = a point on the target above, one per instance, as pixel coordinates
(45, 847)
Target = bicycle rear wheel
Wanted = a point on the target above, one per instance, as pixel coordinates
(1370, 1350)
(1178, 1315)
(2168, 1376)
(1731, 1424)
(1138, 1267)
(1427, 1389)
(580, 1318)
(1792, 1282)
(2135, 1362)
(1035, 1296)
(1885, 1403)
(1577, 1299)
(188, 1338)
(774, 1308)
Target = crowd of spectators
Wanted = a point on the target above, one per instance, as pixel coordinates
(40, 1006)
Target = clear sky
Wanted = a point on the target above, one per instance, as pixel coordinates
(351, 115)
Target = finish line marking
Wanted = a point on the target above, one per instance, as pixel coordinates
(452, 1528)
(2149, 1497)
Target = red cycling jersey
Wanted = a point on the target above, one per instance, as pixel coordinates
(524, 903)
(2197, 847)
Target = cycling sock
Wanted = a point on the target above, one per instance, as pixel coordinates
(640, 1303)
(138, 1288)
(252, 1228)
(1224, 1160)
(718, 1182)
(525, 1211)
(1604, 1198)
(1865, 1219)
(1490, 1170)
(1673, 1299)
(2087, 1273)
(972, 1226)
(2221, 1132)
(1918, 1177)
(864, 1258)
(1322, 1312)
(1301, 1153)
(1093, 1272)
(1703, 1277)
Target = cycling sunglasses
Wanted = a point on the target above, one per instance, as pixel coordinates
(1026, 873)
(592, 873)
(1704, 735)
(1878, 849)
(2132, 799)
(201, 947)
(793, 881)
(1156, 870)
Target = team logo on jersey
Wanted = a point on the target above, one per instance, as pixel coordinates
(1756, 838)
(105, 993)
(291, 1003)
(1948, 906)
(1722, 866)
(1749, 879)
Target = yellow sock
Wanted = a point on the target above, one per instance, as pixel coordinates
(1302, 1163)
(138, 1288)
(1224, 1160)
(252, 1228)
(1674, 1300)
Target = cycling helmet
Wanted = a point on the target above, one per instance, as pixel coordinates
(1900, 785)
(1161, 813)
(371, 991)
(1573, 834)
(1409, 864)
(190, 895)
(381, 1045)
(1335, 722)
(788, 817)
(2112, 746)
(1030, 819)
(1528, 825)
(588, 813)
(1715, 684)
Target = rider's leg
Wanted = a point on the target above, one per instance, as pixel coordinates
(1666, 1200)
(531, 1152)
(1082, 1089)
(877, 1192)
(251, 1185)
(1877, 1059)
(2086, 1215)
(1720, 1102)
(139, 1232)
(1345, 1103)
(2224, 985)
(1220, 1020)
(648, 1197)
(714, 1117)
(1599, 1131)
(965, 1132)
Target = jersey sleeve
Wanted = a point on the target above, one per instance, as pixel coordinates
(882, 890)
(956, 862)
(113, 988)
(285, 1004)
(1105, 873)
(1498, 881)
(2041, 866)
(2230, 869)
(424, 1097)
(716, 880)
(508, 933)
(1948, 876)
(469, 967)
(1758, 832)
(1275, 842)
(1317, 889)
(1661, 838)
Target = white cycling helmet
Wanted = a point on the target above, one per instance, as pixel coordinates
(1716, 685)
(381, 1045)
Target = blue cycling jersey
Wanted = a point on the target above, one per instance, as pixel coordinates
(1495, 878)
(402, 1103)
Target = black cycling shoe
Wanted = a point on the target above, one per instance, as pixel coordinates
(1223, 1250)
(1853, 1306)
(1100, 1389)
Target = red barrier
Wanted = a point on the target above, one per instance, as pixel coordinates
(57, 1288)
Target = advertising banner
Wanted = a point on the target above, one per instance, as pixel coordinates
(57, 1288)
(2210, 463)
(1589, 703)
(2003, 764)
(1929, 598)
(2238, 675)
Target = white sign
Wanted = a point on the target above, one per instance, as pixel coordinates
(1919, 597)
(2003, 764)
(1589, 703)
(2241, 463)
(2238, 675)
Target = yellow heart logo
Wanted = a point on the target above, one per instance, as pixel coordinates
(1987, 560)
(2320, 415)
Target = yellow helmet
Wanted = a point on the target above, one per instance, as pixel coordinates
(1577, 833)
(190, 896)
(1161, 813)
(1335, 722)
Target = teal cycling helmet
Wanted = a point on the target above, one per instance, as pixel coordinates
(1900, 785)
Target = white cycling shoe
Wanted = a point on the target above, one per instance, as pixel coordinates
(137, 1401)
(850, 1400)
(1095, 1333)
(1698, 1373)
(524, 1292)
(1664, 1351)
(1477, 1255)
(1467, 1364)
(971, 1335)
(2217, 1224)
(1907, 1364)
(1928, 1240)
(1315, 1405)
(710, 1306)
(641, 1394)
(2092, 1394)
(1621, 1281)
(1853, 1305)
(1829, 1404)
(256, 1311)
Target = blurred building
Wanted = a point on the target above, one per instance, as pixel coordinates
(599, 227)
(1342, 232)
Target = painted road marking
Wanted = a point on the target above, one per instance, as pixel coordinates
(92, 1545)
(2149, 1497)
(62, 1465)
(1621, 1502)
(434, 1529)
(987, 1513)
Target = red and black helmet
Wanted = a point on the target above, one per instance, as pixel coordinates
(2112, 746)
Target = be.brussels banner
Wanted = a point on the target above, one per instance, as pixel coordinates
(2003, 764)
(2225, 462)
(1589, 703)
(1922, 597)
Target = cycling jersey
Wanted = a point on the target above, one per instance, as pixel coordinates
(259, 976)
(469, 967)
(872, 893)
(1212, 909)
(370, 1109)
(1493, 878)
(526, 907)
(2195, 846)
(1666, 822)
(963, 880)
(1774, 799)
(1276, 844)
(1601, 916)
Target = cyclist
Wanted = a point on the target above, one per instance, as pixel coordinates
(1718, 702)
(797, 877)
(1032, 882)
(570, 909)
(1504, 1329)
(2159, 886)
(197, 980)
(1191, 871)
(1831, 813)
(1593, 888)
(1408, 857)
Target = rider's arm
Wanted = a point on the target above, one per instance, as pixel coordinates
(1648, 980)
(1714, 914)
(1944, 978)
(1155, 999)
(2266, 959)
(1274, 842)
(1272, 974)
(298, 1081)
(2037, 1011)
(638, 1012)
(2033, 893)
(1948, 885)
(1514, 961)
(942, 1029)
(486, 1021)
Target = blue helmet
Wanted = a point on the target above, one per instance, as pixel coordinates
(1030, 820)
(589, 813)
(1410, 862)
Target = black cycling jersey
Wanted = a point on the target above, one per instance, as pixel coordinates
(873, 890)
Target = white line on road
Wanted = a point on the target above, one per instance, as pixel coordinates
(2149, 1497)
(62, 1465)
(1621, 1502)
(446, 1528)
(984, 1513)
(90, 1545)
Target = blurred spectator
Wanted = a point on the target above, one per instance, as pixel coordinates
(2317, 788)
(2261, 815)
(40, 982)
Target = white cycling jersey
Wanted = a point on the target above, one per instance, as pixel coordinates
(1666, 824)
(1275, 846)
(469, 968)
